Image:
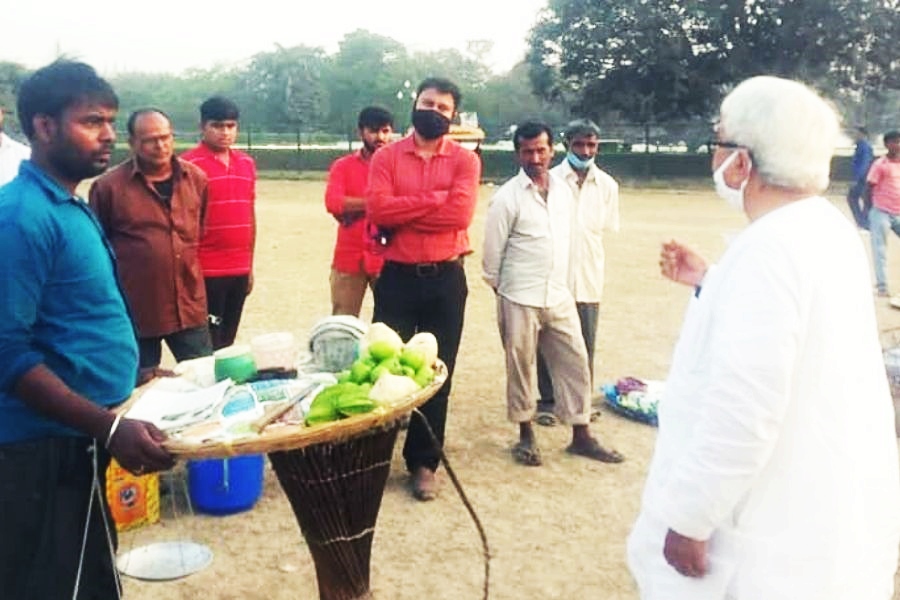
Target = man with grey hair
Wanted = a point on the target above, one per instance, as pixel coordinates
(596, 210)
(775, 473)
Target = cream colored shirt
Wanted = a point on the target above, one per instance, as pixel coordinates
(526, 242)
(596, 211)
(11, 154)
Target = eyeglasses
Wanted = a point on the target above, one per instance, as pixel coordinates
(722, 144)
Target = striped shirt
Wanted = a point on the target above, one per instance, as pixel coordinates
(226, 247)
(427, 204)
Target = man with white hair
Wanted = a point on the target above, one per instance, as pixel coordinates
(775, 474)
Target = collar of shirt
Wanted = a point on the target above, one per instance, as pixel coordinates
(177, 171)
(363, 159)
(55, 192)
(408, 145)
(570, 173)
(207, 152)
(525, 182)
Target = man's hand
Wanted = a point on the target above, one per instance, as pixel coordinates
(679, 263)
(249, 282)
(687, 556)
(137, 446)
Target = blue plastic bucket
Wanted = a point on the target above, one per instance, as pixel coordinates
(225, 486)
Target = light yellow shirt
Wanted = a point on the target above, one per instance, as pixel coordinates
(596, 210)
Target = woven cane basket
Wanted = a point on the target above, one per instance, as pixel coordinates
(276, 437)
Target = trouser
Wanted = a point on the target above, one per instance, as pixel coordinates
(432, 297)
(225, 298)
(588, 315)
(348, 290)
(859, 191)
(45, 489)
(555, 331)
(879, 222)
(184, 344)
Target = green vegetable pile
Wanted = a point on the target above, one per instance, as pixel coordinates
(339, 401)
(401, 369)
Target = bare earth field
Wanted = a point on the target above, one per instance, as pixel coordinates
(557, 531)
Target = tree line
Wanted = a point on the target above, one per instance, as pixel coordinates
(658, 61)
(302, 90)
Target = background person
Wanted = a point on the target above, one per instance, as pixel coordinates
(424, 188)
(883, 180)
(68, 354)
(857, 196)
(229, 231)
(355, 264)
(12, 153)
(775, 473)
(526, 262)
(151, 208)
(596, 209)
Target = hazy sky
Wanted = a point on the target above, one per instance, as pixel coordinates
(172, 35)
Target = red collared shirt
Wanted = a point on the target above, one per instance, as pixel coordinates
(348, 176)
(428, 204)
(155, 244)
(226, 247)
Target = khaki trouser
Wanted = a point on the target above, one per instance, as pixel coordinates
(557, 331)
(347, 291)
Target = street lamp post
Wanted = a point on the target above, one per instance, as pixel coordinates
(404, 93)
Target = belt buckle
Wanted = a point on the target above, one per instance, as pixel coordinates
(426, 269)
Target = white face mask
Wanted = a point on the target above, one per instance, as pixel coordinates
(734, 197)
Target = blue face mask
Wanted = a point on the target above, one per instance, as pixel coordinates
(578, 163)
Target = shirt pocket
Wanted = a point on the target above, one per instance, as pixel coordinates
(186, 221)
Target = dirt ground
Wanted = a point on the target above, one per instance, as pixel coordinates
(557, 531)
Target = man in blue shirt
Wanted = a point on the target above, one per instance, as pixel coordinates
(862, 160)
(68, 352)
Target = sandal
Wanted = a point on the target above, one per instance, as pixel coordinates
(595, 451)
(547, 419)
(527, 453)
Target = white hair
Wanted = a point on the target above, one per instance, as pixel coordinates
(789, 129)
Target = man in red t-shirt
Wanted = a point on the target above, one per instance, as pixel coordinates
(226, 248)
(355, 264)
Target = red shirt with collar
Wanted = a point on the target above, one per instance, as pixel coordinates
(226, 247)
(428, 204)
(353, 251)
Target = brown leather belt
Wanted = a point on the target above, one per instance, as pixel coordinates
(425, 269)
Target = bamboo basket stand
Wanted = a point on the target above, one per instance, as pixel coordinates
(334, 476)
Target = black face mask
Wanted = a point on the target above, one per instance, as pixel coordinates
(430, 124)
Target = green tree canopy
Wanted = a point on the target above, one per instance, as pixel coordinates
(655, 60)
(283, 90)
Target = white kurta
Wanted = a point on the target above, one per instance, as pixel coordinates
(776, 437)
